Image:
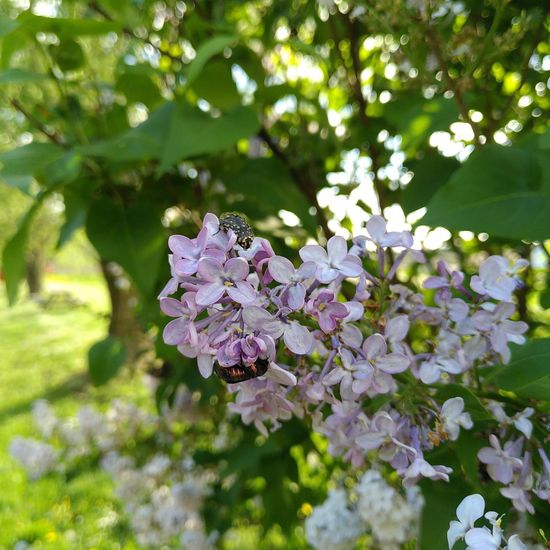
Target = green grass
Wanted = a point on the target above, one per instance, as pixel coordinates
(43, 355)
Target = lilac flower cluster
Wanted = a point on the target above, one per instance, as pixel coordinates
(336, 334)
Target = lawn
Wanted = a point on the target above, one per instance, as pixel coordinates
(43, 355)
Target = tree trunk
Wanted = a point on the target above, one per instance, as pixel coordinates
(34, 269)
(123, 323)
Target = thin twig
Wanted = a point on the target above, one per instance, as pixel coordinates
(94, 6)
(433, 41)
(355, 84)
(301, 180)
(51, 135)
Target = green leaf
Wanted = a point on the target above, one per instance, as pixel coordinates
(76, 197)
(430, 174)
(105, 359)
(132, 236)
(472, 404)
(417, 118)
(13, 255)
(138, 87)
(175, 132)
(544, 299)
(206, 51)
(264, 186)
(504, 191)
(19, 76)
(31, 159)
(191, 132)
(69, 55)
(7, 26)
(215, 84)
(528, 373)
(441, 500)
(64, 27)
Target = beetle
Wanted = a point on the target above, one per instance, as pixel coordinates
(239, 226)
(241, 372)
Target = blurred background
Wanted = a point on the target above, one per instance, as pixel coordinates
(125, 121)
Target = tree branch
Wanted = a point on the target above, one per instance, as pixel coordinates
(433, 41)
(94, 6)
(52, 136)
(355, 83)
(301, 180)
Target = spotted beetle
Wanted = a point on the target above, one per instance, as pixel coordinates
(239, 226)
(241, 372)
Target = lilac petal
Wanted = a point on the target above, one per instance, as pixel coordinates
(393, 363)
(333, 377)
(243, 293)
(360, 386)
(376, 227)
(374, 346)
(370, 440)
(186, 267)
(314, 253)
(258, 319)
(255, 317)
(298, 338)
(281, 269)
(452, 408)
(480, 538)
(487, 455)
(170, 287)
(337, 309)
(281, 375)
(501, 471)
(351, 266)
(429, 373)
(205, 363)
(435, 282)
(470, 510)
(296, 296)
(171, 307)
(346, 390)
(175, 331)
(351, 336)
(211, 222)
(210, 269)
(182, 246)
(355, 309)
(482, 320)
(491, 269)
(202, 238)
(236, 269)
(455, 532)
(337, 249)
(326, 274)
(397, 328)
(327, 323)
(306, 270)
(210, 293)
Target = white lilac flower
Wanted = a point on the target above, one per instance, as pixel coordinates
(157, 466)
(501, 462)
(333, 262)
(391, 518)
(333, 525)
(495, 320)
(453, 417)
(36, 457)
(468, 512)
(44, 418)
(497, 277)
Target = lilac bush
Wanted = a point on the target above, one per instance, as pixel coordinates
(355, 352)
